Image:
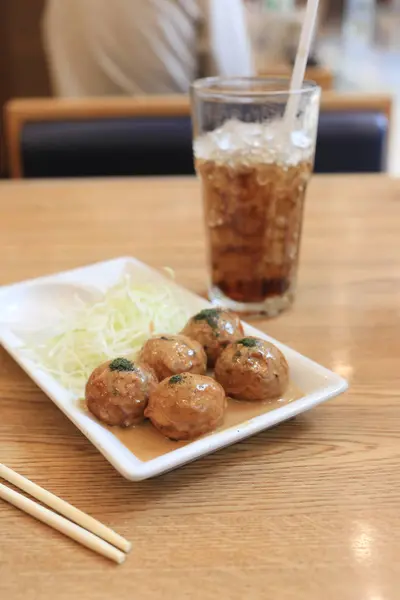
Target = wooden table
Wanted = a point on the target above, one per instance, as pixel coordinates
(306, 511)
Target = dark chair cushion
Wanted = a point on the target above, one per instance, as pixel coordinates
(347, 142)
(139, 146)
(351, 142)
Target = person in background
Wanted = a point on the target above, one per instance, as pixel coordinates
(104, 47)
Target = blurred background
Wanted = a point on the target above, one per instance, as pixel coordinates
(356, 49)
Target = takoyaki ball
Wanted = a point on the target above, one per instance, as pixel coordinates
(117, 391)
(252, 369)
(183, 407)
(214, 328)
(172, 354)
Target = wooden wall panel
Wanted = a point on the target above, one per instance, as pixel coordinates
(23, 71)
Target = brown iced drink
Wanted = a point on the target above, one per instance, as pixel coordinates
(253, 198)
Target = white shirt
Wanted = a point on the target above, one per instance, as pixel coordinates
(112, 47)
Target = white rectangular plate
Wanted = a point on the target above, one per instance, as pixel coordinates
(28, 302)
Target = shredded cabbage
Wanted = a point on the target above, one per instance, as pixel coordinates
(117, 325)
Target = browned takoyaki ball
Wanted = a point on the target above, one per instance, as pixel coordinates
(172, 354)
(214, 328)
(117, 391)
(252, 369)
(186, 406)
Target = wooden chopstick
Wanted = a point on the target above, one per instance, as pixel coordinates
(77, 533)
(62, 507)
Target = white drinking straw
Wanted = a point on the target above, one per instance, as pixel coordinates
(300, 63)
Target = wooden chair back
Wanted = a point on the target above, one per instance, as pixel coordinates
(18, 112)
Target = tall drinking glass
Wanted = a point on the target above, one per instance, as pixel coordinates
(254, 168)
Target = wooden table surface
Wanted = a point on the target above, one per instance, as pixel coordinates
(306, 511)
